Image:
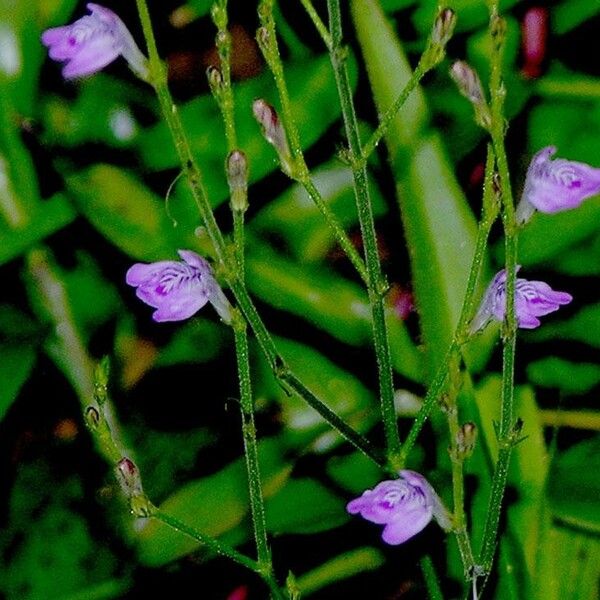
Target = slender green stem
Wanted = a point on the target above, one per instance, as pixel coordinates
(300, 171)
(226, 103)
(461, 333)
(237, 286)
(372, 143)
(506, 431)
(318, 22)
(577, 419)
(377, 285)
(432, 583)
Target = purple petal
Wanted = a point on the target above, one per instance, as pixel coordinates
(180, 306)
(104, 14)
(406, 527)
(142, 272)
(195, 260)
(95, 55)
(55, 35)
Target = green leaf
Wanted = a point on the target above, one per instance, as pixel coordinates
(15, 367)
(570, 377)
(304, 506)
(353, 562)
(127, 213)
(198, 341)
(314, 106)
(343, 393)
(574, 485)
(583, 327)
(215, 505)
(46, 219)
(295, 217)
(571, 14)
(354, 472)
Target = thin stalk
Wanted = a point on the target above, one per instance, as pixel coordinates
(420, 71)
(461, 333)
(507, 431)
(257, 507)
(318, 22)
(376, 284)
(576, 419)
(237, 286)
(300, 171)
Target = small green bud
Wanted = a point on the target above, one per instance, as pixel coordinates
(130, 481)
(465, 440)
(215, 81)
(274, 133)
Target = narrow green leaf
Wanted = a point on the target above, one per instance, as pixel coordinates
(215, 505)
(15, 367)
(583, 327)
(568, 376)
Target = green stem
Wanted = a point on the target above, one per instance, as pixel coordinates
(300, 171)
(461, 333)
(318, 22)
(372, 143)
(237, 286)
(376, 284)
(257, 506)
(506, 428)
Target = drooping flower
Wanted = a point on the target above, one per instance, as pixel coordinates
(533, 299)
(405, 506)
(178, 289)
(552, 186)
(92, 42)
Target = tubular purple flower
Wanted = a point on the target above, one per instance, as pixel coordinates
(92, 42)
(178, 289)
(533, 299)
(405, 506)
(555, 185)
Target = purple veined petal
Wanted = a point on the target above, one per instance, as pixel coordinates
(95, 55)
(195, 260)
(438, 509)
(402, 529)
(528, 321)
(180, 305)
(139, 273)
(104, 14)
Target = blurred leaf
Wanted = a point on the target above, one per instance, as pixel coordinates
(304, 506)
(354, 472)
(574, 485)
(471, 13)
(47, 549)
(583, 327)
(343, 393)
(215, 505)
(198, 341)
(312, 292)
(15, 367)
(582, 260)
(295, 217)
(314, 106)
(570, 377)
(48, 218)
(101, 113)
(439, 226)
(571, 14)
(353, 562)
(127, 213)
(391, 6)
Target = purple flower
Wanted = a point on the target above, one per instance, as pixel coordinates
(92, 42)
(532, 299)
(555, 185)
(405, 506)
(178, 289)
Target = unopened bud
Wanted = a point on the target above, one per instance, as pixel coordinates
(443, 27)
(215, 80)
(274, 133)
(264, 42)
(237, 177)
(130, 481)
(469, 85)
(498, 30)
(465, 440)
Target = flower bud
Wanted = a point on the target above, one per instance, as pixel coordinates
(465, 440)
(469, 85)
(92, 418)
(274, 133)
(237, 177)
(215, 80)
(443, 27)
(130, 481)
